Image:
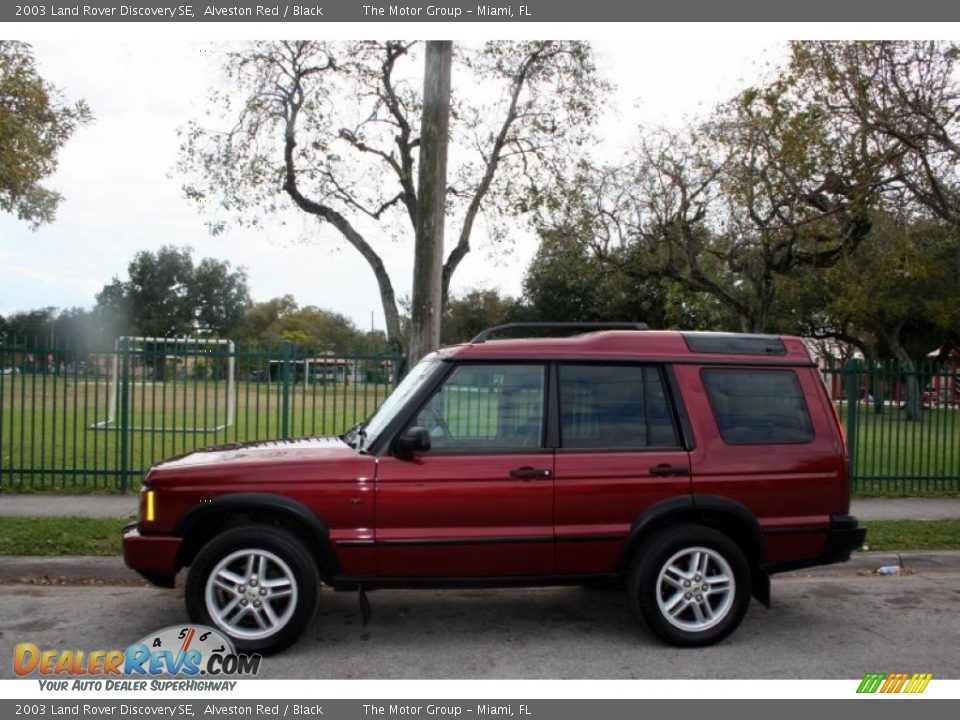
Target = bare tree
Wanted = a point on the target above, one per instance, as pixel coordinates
(335, 128)
(903, 96)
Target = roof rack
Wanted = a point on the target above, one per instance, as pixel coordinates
(583, 326)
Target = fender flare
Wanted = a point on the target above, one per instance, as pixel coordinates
(693, 507)
(280, 504)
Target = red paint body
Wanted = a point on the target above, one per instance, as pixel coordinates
(465, 516)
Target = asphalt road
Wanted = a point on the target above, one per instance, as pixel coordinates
(831, 624)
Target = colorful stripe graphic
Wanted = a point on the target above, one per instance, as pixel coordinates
(894, 682)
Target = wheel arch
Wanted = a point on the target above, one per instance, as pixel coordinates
(728, 516)
(202, 523)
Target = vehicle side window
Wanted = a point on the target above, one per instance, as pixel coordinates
(614, 406)
(487, 407)
(758, 407)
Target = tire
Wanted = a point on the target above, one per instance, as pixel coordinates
(274, 555)
(656, 585)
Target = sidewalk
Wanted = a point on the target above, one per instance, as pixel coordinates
(125, 506)
(92, 506)
(865, 509)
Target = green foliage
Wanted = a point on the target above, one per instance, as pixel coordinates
(35, 123)
(70, 331)
(467, 315)
(569, 280)
(166, 295)
(899, 291)
(267, 324)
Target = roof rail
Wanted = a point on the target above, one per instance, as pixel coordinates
(583, 326)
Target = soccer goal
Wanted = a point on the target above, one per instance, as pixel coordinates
(171, 385)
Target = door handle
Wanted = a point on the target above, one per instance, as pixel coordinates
(529, 473)
(670, 470)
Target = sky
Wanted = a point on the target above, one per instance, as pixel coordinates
(123, 195)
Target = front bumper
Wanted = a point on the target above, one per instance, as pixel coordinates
(153, 556)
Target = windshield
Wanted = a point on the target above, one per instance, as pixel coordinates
(397, 400)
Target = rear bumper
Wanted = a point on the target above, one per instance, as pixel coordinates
(153, 556)
(843, 537)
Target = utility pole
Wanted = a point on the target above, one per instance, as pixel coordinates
(431, 202)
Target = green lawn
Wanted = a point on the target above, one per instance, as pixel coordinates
(895, 535)
(54, 434)
(60, 536)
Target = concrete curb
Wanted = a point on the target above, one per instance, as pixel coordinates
(916, 561)
(58, 570)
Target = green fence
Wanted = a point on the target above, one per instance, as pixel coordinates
(72, 419)
(75, 419)
(903, 425)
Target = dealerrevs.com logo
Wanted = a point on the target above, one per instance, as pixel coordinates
(200, 656)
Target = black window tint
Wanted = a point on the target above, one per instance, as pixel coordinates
(614, 406)
(487, 407)
(758, 407)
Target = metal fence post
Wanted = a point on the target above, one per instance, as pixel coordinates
(285, 396)
(123, 427)
(853, 398)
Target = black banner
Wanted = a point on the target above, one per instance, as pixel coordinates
(470, 709)
(464, 11)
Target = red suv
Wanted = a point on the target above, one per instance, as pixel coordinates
(687, 467)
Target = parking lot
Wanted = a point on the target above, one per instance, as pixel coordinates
(832, 623)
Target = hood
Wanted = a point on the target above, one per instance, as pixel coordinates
(290, 460)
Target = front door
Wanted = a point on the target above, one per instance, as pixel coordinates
(480, 501)
(619, 455)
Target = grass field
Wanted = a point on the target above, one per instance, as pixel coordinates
(54, 433)
(60, 536)
(895, 535)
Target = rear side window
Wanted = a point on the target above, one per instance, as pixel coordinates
(614, 407)
(758, 407)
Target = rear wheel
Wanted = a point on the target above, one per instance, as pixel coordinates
(258, 585)
(690, 584)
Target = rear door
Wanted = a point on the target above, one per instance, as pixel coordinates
(619, 453)
(765, 440)
(480, 501)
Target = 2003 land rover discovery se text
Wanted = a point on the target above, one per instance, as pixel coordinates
(687, 466)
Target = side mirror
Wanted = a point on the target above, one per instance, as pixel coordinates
(413, 440)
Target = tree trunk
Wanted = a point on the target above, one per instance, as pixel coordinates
(914, 402)
(427, 300)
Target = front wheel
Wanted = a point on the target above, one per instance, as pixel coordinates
(257, 585)
(690, 584)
